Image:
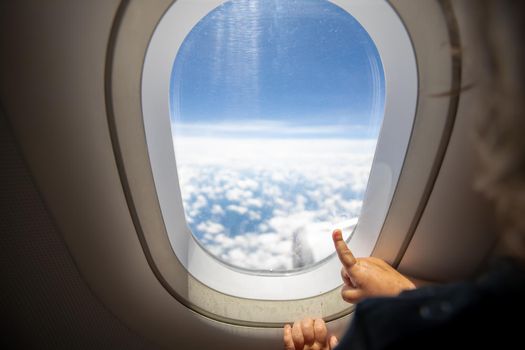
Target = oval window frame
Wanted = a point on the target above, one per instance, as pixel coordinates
(401, 84)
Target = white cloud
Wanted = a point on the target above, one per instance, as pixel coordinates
(237, 194)
(238, 209)
(254, 202)
(288, 194)
(254, 215)
(211, 228)
(217, 210)
(199, 203)
(248, 184)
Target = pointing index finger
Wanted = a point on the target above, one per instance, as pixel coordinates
(345, 255)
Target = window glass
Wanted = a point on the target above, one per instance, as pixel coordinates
(276, 107)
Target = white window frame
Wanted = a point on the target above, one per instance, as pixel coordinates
(401, 85)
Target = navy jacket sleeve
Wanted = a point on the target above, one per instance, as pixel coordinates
(462, 315)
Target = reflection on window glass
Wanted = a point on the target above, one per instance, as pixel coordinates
(276, 108)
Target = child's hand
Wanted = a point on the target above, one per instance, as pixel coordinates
(367, 277)
(308, 335)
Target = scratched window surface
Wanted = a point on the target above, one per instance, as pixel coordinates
(276, 107)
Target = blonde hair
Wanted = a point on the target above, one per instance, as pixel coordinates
(501, 131)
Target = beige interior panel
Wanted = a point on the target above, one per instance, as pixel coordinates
(456, 231)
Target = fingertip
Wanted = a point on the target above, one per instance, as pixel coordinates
(337, 235)
(345, 254)
(297, 335)
(319, 324)
(307, 326)
(307, 321)
(333, 342)
(351, 295)
(320, 330)
(287, 338)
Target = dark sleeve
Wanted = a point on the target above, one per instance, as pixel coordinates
(423, 316)
(486, 313)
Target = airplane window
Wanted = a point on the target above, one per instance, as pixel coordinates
(268, 124)
(276, 108)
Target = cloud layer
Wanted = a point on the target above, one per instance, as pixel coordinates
(270, 204)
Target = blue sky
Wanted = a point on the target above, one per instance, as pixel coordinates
(278, 68)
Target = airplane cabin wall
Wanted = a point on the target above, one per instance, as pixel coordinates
(52, 89)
